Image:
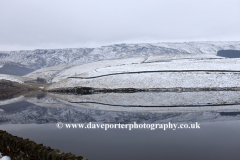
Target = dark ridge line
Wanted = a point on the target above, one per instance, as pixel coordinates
(160, 71)
(174, 106)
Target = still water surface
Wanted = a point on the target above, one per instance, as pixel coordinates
(35, 117)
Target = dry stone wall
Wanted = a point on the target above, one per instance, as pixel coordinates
(23, 149)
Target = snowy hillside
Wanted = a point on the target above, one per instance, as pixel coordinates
(57, 73)
(41, 58)
(48, 73)
(189, 73)
(155, 80)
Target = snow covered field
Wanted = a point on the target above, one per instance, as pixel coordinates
(47, 73)
(57, 73)
(155, 80)
(214, 72)
(183, 64)
(75, 70)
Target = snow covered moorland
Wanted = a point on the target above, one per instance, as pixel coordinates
(66, 61)
(186, 71)
(57, 73)
(42, 58)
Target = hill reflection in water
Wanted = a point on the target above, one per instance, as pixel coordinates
(140, 107)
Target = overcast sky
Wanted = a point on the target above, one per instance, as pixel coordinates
(44, 24)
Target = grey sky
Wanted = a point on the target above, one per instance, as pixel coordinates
(39, 24)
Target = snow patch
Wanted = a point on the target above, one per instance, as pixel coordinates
(5, 158)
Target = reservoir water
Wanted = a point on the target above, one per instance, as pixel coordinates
(35, 115)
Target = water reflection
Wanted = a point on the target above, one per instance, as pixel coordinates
(215, 140)
(41, 108)
(157, 99)
(35, 115)
(11, 95)
(157, 102)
